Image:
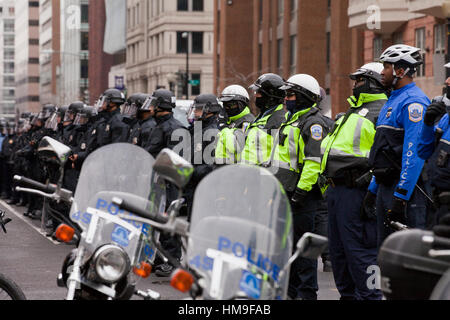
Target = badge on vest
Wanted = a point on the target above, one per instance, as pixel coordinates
(135, 140)
(94, 131)
(108, 127)
(364, 112)
(316, 132)
(83, 146)
(415, 112)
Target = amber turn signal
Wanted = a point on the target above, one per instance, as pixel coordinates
(182, 280)
(143, 271)
(64, 233)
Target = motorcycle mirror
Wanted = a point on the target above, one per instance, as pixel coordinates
(173, 168)
(311, 245)
(51, 148)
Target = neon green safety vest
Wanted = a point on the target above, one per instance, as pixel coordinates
(231, 140)
(295, 159)
(348, 145)
(259, 141)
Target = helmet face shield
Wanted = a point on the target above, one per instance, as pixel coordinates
(69, 116)
(52, 122)
(81, 119)
(130, 110)
(100, 102)
(150, 102)
(195, 113)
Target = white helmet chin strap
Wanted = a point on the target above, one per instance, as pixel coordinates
(394, 83)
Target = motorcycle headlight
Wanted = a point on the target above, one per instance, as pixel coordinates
(111, 263)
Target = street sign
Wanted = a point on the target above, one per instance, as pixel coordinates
(194, 82)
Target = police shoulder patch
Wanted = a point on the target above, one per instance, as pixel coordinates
(415, 111)
(317, 132)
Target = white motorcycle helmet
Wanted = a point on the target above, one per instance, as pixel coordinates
(304, 84)
(235, 93)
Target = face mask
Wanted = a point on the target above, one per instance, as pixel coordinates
(291, 105)
(358, 90)
(261, 103)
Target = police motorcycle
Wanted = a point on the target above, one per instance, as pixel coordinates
(238, 244)
(112, 253)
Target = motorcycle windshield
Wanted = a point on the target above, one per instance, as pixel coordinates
(240, 234)
(124, 171)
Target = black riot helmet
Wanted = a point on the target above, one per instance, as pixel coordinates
(110, 96)
(370, 75)
(160, 99)
(74, 108)
(46, 112)
(62, 112)
(203, 105)
(26, 115)
(268, 85)
(133, 104)
(3, 125)
(83, 116)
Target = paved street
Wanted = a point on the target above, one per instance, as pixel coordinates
(33, 261)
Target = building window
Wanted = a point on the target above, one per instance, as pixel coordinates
(420, 43)
(280, 10)
(84, 13)
(439, 38)
(197, 42)
(294, 8)
(261, 11)
(8, 67)
(8, 81)
(397, 38)
(293, 54)
(197, 5)
(182, 5)
(377, 47)
(280, 55)
(8, 26)
(8, 54)
(84, 40)
(181, 43)
(84, 74)
(8, 40)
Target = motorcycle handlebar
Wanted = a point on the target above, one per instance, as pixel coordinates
(126, 205)
(35, 185)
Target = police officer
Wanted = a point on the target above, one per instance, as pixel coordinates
(61, 113)
(35, 169)
(393, 157)
(204, 119)
(231, 140)
(6, 154)
(295, 161)
(145, 123)
(352, 234)
(166, 134)
(113, 129)
(434, 146)
(269, 101)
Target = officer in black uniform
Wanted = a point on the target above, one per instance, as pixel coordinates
(167, 133)
(113, 129)
(6, 153)
(3, 137)
(141, 129)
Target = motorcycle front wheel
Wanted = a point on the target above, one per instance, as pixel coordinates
(9, 290)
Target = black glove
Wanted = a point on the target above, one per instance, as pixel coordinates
(434, 110)
(299, 197)
(368, 208)
(443, 228)
(397, 213)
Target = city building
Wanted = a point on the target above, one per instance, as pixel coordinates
(7, 55)
(106, 69)
(27, 56)
(50, 46)
(413, 22)
(167, 40)
(285, 37)
(74, 54)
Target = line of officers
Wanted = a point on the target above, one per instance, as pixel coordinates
(385, 159)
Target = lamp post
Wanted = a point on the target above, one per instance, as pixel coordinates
(185, 35)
